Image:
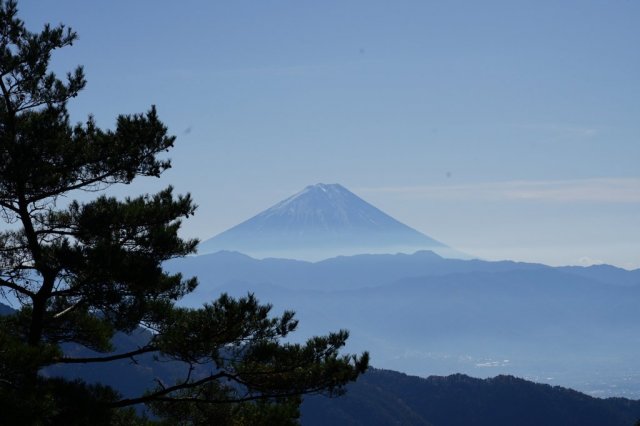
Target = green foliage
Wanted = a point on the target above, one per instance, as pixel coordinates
(83, 271)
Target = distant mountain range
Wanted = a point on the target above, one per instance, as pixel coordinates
(367, 270)
(423, 314)
(322, 221)
(425, 310)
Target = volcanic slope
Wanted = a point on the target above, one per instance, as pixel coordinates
(322, 221)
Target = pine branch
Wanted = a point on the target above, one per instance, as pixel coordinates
(160, 395)
(167, 390)
(140, 351)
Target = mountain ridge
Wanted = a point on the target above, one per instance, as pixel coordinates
(368, 270)
(563, 323)
(382, 397)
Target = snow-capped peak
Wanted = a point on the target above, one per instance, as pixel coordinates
(321, 216)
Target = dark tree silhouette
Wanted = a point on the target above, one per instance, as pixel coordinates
(78, 272)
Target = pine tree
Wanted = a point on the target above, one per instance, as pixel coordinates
(79, 272)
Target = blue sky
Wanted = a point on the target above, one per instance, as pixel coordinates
(507, 129)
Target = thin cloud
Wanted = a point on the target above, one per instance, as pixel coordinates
(597, 190)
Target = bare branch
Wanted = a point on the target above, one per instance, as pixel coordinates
(242, 399)
(140, 351)
(167, 390)
(16, 287)
(9, 206)
(69, 309)
(160, 395)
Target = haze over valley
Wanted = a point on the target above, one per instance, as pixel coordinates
(420, 312)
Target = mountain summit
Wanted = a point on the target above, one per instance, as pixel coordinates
(322, 221)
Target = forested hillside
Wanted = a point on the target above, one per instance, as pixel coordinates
(383, 397)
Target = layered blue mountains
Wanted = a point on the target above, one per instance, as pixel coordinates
(453, 340)
(423, 314)
(421, 307)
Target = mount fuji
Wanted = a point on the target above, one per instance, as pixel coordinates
(323, 221)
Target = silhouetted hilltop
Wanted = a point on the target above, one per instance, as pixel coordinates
(383, 397)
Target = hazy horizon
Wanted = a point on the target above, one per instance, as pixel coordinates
(508, 131)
